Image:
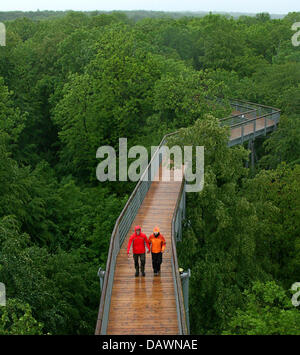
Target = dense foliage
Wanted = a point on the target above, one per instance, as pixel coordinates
(134, 15)
(72, 83)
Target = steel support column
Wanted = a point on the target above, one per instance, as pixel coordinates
(185, 277)
(101, 274)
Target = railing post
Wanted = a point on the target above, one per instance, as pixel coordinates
(184, 202)
(101, 275)
(242, 133)
(149, 175)
(140, 197)
(180, 223)
(185, 277)
(275, 116)
(265, 118)
(177, 227)
(251, 148)
(117, 243)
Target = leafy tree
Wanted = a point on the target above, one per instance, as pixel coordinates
(267, 311)
(16, 319)
(11, 120)
(284, 143)
(123, 88)
(61, 289)
(279, 87)
(275, 194)
(78, 81)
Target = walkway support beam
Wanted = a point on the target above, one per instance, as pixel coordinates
(185, 278)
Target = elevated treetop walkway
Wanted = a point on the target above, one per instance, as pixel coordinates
(156, 305)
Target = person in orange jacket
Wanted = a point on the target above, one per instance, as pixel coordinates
(158, 245)
(138, 241)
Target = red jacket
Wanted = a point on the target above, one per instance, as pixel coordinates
(138, 241)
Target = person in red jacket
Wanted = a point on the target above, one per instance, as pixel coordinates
(138, 241)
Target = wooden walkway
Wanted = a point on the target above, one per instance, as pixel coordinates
(147, 305)
(249, 128)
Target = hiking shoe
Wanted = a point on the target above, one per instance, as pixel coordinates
(143, 274)
(136, 274)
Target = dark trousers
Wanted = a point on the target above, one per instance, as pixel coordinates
(136, 262)
(156, 261)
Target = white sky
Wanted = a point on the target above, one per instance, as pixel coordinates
(252, 6)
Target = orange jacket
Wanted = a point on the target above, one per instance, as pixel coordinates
(158, 244)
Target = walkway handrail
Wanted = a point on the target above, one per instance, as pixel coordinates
(253, 103)
(178, 215)
(250, 120)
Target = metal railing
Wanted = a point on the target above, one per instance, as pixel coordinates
(176, 235)
(252, 121)
(249, 114)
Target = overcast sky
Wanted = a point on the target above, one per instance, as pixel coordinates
(253, 6)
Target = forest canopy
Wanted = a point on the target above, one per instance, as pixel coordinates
(71, 82)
